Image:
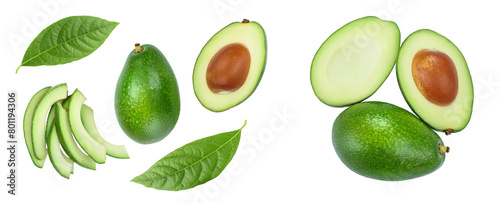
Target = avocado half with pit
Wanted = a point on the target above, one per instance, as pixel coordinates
(435, 81)
(354, 61)
(230, 65)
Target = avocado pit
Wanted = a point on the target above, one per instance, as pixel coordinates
(228, 68)
(435, 76)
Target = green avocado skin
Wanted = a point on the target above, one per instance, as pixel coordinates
(385, 142)
(147, 102)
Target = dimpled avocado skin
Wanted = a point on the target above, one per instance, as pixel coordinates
(385, 142)
(147, 102)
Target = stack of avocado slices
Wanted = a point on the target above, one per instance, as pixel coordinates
(55, 120)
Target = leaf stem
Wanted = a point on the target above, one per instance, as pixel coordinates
(18, 68)
(244, 125)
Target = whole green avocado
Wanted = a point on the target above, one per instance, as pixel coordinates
(147, 101)
(385, 142)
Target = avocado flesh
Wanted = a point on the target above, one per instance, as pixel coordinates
(55, 94)
(354, 61)
(385, 142)
(27, 125)
(117, 151)
(62, 164)
(67, 142)
(453, 116)
(94, 149)
(253, 37)
(147, 101)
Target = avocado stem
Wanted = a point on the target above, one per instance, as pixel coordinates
(443, 149)
(138, 48)
(448, 131)
(245, 21)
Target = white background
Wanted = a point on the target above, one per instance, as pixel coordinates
(280, 159)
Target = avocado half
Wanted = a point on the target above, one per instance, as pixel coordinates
(435, 81)
(230, 65)
(354, 61)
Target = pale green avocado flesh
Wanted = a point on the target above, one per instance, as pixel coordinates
(354, 61)
(250, 37)
(455, 113)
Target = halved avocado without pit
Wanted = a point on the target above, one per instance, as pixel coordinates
(354, 61)
(230, 65)
(435, 80)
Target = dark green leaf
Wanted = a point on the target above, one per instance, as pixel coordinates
(67, 40)
(192, 164)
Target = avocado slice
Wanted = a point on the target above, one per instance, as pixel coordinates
(354, 61)
(147, 100)
(94, 149)
(55, 94)
(435, 81)
(117, 151)
(62, 164)
(52, 114)
(51, 124)
(66, 139)
(230, 65)
(385, 142)
(27, 124)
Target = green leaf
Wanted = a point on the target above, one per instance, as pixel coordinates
(67, 40)
(192, 164)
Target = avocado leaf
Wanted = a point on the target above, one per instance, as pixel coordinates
(67, 40)
(192, 164)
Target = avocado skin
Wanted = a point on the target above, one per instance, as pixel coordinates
(385, 142)
(147, 101)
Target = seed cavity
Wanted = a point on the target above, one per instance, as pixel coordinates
(435, 76)
(228, 69)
